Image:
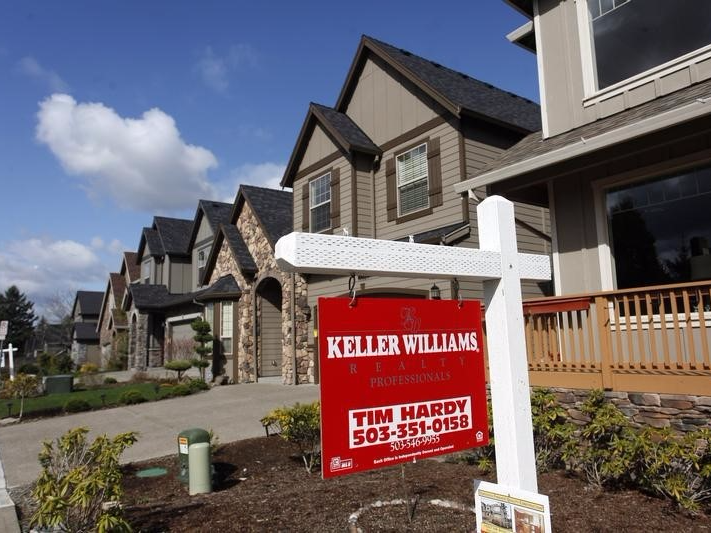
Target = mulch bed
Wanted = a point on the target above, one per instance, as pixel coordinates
(262, 486)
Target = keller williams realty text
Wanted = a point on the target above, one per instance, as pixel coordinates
(346, 346)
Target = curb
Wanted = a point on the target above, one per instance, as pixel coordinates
(8, 514)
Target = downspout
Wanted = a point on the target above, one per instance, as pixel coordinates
(293, 330)
(254, 333)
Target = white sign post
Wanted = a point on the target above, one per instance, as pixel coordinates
(10, 351)
(501, 268)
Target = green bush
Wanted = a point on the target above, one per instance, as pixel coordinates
(29, 368)
(80, 483)
(76, 405)
(551, 429)
(110, 381)
(52, 364)
(181, 389)
(131, 397)
(197, 385)
(179, 366)
(301, 425)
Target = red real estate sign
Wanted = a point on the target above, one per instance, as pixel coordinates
(401, 379)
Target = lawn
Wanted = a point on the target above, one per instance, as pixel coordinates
(103, 396)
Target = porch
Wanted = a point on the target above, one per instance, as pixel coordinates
(650, 339)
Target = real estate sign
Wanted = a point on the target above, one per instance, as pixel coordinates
(401, 379)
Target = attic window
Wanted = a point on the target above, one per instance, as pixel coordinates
(412, 186)
(320, 203)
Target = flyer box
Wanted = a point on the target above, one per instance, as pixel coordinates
(501, 509)
(401, 380)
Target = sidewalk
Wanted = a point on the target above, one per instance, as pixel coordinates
(231, 411)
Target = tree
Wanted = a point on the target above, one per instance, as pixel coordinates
(21, 387)
(204, 345)
(59, 308)
(19, 312)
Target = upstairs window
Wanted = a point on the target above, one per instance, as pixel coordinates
(201, 261)
(412, 184)
(320, 203)
(630, 37)
(146, 272)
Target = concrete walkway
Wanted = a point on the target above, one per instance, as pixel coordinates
(231, 411)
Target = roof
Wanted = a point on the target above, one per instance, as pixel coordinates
(339, 127)
(239, 249)
(215, 213)
(225, 287)
(89, 302)
(157, 297)
(116, 286)
(525, 7)
(130, 263)
(150, 237)
(438, 235)
(455, 91)
(85, 331)
(272, 208)
(174, 234)
(535, 145)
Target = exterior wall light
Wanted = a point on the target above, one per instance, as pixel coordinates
(434, 292)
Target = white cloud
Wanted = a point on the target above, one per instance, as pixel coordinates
(97, 242)
(31, 67)
(42, 267)
(261, 174)
(141, 163)
(117, 247)
(215, 70)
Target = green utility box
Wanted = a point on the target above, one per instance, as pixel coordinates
(187, 438)
(59, 384)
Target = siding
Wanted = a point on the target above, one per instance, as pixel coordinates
(180, 275)
(319, 146)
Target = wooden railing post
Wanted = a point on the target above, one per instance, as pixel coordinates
(603, 332)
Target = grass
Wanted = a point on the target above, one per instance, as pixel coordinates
(104, 396)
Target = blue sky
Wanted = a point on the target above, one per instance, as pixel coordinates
(112, 112)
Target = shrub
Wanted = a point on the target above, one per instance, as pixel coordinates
(79, 482)
(551, 429)
(197, 385)
(181, 389)
(300, 425)
(606, 447)
(131, 397)
(179, 366)
(52, 364)
(203, 348)
(76, 405)
(201, 365)
(21, 387)
(29, 368)
(110, 381)
(88, 368)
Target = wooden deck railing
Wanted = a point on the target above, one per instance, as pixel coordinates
(648, 339)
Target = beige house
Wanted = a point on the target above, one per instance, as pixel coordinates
(258, 313)
(85, 338)
(383, 162)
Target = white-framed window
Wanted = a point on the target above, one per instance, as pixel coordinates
(625, 39)
(226, 327)
(320, 203)
(412, 180)
(146, 271)
(201, 262)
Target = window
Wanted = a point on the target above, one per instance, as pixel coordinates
(201, 260)
(320, 203)
(146, 271)
(632, 36)
(412, 187)
(226, 329)
(660, 229)
(209, 317)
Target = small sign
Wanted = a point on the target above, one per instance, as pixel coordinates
(3, 329)
(501, 509)
(401, 380)
(183, 445)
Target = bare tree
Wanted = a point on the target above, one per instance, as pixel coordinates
(59, 312)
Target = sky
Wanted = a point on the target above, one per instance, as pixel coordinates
(112, 112)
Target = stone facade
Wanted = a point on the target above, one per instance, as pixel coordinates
(678, 412)
(248, 308)
(138, 340)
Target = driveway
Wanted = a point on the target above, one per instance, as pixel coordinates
(232, 412)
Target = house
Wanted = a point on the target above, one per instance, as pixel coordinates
(258, 313)
(112, 324)
(85, 338)
(623, 162)
(382, 163)
(161, 305)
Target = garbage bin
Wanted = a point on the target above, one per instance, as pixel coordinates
(59, 384)
(187, 438)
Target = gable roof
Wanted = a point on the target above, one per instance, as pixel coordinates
(459, 93)
(225, 287)
(240, 253)
(215, 213)
(339, 127)
(534, 152)
(85, 331)
(130, 265)
(116, 286)
(150, 237)
(89, 302)
(272, 208)
(174, 234)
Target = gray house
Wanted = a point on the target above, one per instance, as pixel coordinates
(383, 162)
(85, 337)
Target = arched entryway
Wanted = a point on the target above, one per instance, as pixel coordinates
(269, 328)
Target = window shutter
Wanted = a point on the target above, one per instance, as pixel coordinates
(434, 170)
(391, 189)
(335, 197)
(305, 211)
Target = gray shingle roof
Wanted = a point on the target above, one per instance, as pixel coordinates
(90, 302)
(468, 93)
(153, 241)
(343, 125)
(134, 269)
(85, 331)
(225, 287)
(157, 297)
(534, 145)
(273, 209)
(239, 249)
(174, 234)
(216, 213)
(435, 235)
